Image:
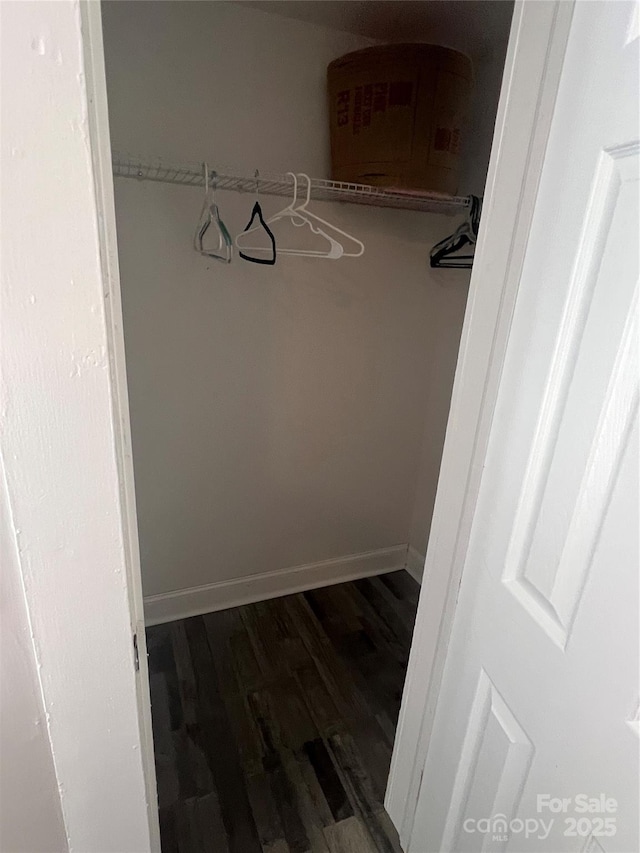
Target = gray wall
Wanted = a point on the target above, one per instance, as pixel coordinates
(284, 415)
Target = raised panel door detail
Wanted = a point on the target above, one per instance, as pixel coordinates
(491, 773)
(588, 406)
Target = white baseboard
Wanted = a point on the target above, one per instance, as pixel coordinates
(232, 593)
(415, 563)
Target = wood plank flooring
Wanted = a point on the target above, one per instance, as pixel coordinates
(274, 722)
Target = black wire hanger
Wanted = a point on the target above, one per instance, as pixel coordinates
(257, 211)
(443, 255)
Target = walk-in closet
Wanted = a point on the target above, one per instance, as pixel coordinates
(292, 318)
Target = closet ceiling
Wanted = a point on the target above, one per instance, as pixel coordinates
(474, 26)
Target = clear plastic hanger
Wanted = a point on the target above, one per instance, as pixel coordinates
(210, 218)
(302, 210)
(334, 251)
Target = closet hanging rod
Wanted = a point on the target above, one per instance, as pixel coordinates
(191, 175)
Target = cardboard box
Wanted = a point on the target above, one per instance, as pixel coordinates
(397, 114)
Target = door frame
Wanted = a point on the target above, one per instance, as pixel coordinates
(534, 59)
(535, 53)
(100, 137)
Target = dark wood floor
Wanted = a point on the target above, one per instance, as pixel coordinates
(273, 723)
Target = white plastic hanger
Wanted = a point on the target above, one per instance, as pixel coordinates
(300, 220)
(302, 210)
(210, 217)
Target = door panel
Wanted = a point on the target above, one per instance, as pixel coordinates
(539, 695)
(574, 450)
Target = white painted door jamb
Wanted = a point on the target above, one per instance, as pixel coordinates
(103, 176)
(532, 71)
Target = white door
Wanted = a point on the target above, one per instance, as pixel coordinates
(535, 741)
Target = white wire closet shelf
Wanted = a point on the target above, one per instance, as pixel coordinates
(191, 175)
